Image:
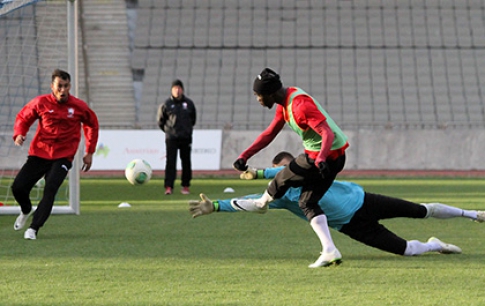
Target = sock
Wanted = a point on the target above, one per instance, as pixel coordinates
(442, 211)
(264, 200)
(415, 247)
(320, 226)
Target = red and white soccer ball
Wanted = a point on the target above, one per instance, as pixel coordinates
(138, 172)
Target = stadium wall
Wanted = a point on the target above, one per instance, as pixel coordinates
(448, 150)
(378, 149)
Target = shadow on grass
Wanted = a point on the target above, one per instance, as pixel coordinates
(161, 234)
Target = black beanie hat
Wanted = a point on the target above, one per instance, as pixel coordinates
(267, 82)
(177, 82)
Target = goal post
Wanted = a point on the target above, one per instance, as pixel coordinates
(36, 37)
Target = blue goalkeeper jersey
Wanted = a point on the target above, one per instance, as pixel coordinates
(339, 203)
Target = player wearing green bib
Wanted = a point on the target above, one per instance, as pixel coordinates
(323, 141)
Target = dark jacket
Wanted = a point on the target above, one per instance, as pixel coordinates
(177, 118)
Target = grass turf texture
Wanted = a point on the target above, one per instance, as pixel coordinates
(154, 253)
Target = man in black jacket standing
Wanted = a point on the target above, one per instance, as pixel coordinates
(176, 117)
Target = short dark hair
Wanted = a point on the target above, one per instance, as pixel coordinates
(280, 156)
(58, 73)
(177, 82)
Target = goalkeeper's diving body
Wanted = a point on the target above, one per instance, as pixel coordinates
(351, 211)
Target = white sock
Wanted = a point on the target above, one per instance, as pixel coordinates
(264, 200)
(415, 247)
(320, 226)
(442, 211)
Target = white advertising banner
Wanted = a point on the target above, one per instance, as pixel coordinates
(116, 148)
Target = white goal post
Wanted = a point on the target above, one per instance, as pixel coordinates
(36, 37)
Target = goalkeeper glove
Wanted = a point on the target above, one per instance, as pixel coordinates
(324, 169)
(251, 174)
(240, 164)
(204, 207)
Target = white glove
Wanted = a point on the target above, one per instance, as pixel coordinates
(250, 174)
(200, 208)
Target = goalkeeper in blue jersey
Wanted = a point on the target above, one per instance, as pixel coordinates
(349, 210)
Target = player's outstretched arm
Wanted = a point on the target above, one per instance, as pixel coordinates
(206, 206)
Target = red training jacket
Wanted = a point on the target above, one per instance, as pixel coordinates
(59, 130)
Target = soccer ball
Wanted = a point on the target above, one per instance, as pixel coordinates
(138, 172)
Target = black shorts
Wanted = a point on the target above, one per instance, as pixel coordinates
(302, 172)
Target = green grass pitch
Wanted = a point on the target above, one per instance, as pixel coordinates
(154, 253)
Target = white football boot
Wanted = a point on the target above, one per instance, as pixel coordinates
(446, 248)
(30, 234)
(21, 220)
(327, 259)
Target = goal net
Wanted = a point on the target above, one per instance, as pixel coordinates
(33, 42)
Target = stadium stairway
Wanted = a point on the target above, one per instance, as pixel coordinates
(107, 70)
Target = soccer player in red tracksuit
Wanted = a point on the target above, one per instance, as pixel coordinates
(317, 168)
(61, 117)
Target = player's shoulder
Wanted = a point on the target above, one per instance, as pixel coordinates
(297, 93)
(302, 98)
(41, 98)
(75, 101)
(39, 102)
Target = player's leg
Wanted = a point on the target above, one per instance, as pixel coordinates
(315, 186)
(330, 254)
(364, 227)
(370, 232)
(287, 178)
(379, 237)
(185, 156)
(302, 172)
(294, 175)
(170, 165)
(54, 178)
(443, 211)
(415, 247)
(311, 193)
(384, 207)
(29, 174)
(380, 207)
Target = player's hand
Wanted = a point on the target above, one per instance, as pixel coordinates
(250, 174)
(324, 169)
(199, 208)
(87, 162)
(240, 164)
(19, 140)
